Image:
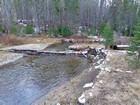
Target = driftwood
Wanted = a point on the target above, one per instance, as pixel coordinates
(119, 47)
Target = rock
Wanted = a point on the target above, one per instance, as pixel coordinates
(90, 94)
(82, 99)
(58, 104)
(88, 85)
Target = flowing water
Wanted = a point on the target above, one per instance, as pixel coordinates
(59, 47)
(26, 80)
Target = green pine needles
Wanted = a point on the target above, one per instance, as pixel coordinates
(108, 35)
(28, 29)
(135, 48)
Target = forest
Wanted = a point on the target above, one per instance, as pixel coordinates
(69, 52)
(52, 16)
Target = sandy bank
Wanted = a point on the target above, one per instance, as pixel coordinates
(28, 47)
(6, 57)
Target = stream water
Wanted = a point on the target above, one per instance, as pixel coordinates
(26, 80)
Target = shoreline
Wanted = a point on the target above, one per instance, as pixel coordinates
(115, 84)
(8, 57)
(72, 89)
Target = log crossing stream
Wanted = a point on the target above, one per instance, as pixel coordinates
(26, 80)
(29, 78)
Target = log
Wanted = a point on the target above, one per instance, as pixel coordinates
(89, 54)
(119, 47)
(42, 52)
(78, 41)
(78, 47)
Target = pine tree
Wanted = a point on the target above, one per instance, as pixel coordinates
(108, 36)
(134, 61)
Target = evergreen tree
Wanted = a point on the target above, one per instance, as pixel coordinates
(108, 35)
(134, 61)
(28, 29)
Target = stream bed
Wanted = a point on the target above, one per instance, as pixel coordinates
(27, 79)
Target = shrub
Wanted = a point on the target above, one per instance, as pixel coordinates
(135, 43)
(0, 28)
(108, 35)
(90, 31)
(14, 30)
(51, 31)
(11, 40)
(62, 31)
(101, 28)
(134, 63)
(28, 29)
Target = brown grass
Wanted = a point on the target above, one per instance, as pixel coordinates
(41, 39)
(118, 88)
(11, 40)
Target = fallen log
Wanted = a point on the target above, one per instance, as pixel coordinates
(90, 54)
(119, 47)
(78, 47)
(78, 41)
(42, 52)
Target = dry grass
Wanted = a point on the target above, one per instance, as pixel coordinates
(41, 39)
(11, 40)
(118, 87)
